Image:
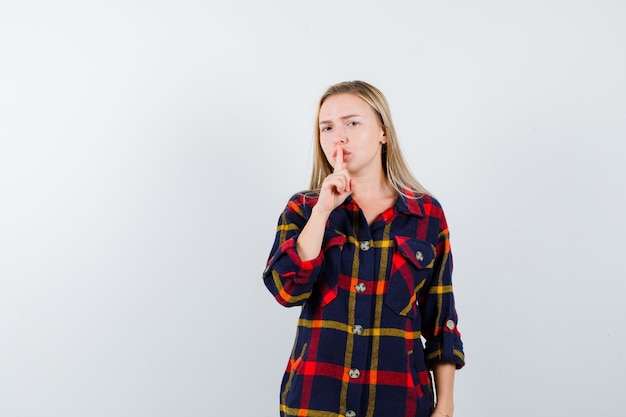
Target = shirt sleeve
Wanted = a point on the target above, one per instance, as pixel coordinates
(439, 317)
(287, 276)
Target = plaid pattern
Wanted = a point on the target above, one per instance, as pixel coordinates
(367, 300)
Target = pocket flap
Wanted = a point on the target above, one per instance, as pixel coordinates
(419, 253)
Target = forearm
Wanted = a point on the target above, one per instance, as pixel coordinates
(444, 386)
(309, 242)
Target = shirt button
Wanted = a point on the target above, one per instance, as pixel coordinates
(365, 245)
(350, 413)
(360, 287)
(354, 373)
(357, 329)
(450, 324)
(419, 255)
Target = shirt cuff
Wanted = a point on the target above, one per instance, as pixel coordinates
(446, 347)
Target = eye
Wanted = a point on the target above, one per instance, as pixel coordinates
(352, 123)
(324, 128)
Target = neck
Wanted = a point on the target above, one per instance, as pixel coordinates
(375, 186)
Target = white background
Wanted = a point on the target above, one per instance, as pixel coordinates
(147, 148)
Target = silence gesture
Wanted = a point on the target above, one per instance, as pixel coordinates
(337, 186)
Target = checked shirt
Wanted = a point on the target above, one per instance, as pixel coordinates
(367, 301)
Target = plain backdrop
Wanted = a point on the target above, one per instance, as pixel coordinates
(148, 147)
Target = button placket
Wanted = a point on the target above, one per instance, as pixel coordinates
(357, 329)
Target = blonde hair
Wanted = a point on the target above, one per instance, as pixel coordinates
(397, 172)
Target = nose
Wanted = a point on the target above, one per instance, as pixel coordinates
(339, 137)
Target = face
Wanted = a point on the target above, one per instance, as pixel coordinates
(347, 121)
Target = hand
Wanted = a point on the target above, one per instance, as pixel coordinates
(337, 186)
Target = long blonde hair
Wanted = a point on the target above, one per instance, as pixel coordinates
(396, 169)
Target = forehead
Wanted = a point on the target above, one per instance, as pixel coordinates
(342, 104)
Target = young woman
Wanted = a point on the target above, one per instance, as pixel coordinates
(366, 254)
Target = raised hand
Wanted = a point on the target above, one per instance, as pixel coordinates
(337, 186)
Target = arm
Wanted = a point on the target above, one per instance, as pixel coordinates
(439, 317)
(335, 188)
(444, 388)
(287, 276)
(444, 349)
(297, 256)
(309, 242)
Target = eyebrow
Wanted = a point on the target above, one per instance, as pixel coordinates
(349, 116)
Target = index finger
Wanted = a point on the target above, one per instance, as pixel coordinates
(339, 158)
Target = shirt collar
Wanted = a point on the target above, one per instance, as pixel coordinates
(410, 204)
(405, 204)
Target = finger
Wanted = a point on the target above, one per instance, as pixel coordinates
(335, 183)
(339, 158)
(340, 182)
(348, 184)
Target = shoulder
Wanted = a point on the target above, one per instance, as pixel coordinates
(422, 204)
(426, 207)
(302, 201)
(433, 210)
(430, 203)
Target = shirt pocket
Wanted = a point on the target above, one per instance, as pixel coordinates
(411, 266)
(325, 289)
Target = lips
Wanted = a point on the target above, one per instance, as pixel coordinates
(345, 154)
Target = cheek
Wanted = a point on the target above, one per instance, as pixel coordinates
(327, 148)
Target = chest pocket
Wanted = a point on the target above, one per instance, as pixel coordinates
(411, 266)
(325, 289)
